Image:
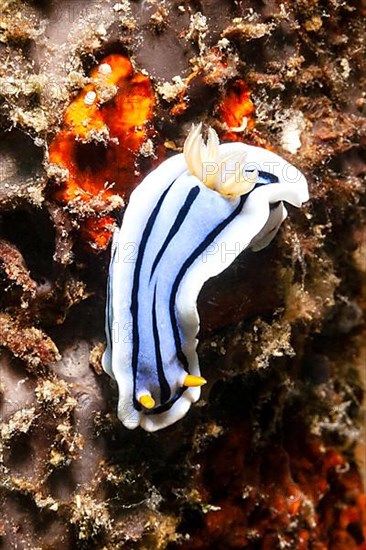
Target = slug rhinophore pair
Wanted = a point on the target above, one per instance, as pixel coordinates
(180, 228)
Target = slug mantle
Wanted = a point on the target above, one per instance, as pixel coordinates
(211, 197)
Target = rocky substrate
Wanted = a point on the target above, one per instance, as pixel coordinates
(272, 456)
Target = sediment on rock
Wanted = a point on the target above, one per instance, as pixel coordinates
(272, 456)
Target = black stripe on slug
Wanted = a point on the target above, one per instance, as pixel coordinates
(164, 386)
(166, 406)
(190, 260)
(266, 176)
(182, 214)
(183, 270)
(135, 288)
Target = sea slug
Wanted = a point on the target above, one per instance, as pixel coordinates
(175, 230)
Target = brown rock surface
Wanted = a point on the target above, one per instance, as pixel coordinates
(272, 456)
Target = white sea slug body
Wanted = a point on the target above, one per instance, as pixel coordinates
(178, 225)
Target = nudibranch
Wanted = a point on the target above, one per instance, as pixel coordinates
(181, 227)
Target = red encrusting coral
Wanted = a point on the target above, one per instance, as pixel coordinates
(236, 111)
(97, 231)
(234, 114)
(103, 131)
(100, 139)
(295, 493)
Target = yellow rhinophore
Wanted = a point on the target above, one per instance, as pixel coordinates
(192, 381)
(147, 401)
